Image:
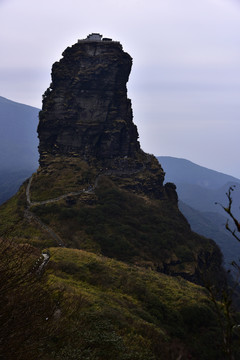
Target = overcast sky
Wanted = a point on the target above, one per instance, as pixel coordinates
(185, 82)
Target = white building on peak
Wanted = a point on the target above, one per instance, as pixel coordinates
(94, 37)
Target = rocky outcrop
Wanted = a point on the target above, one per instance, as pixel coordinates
(86, 110)
(86, 114)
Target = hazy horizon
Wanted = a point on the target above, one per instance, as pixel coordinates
(185, 81)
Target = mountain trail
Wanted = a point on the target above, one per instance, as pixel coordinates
(32, 217)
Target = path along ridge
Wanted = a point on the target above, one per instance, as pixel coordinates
(31, 216)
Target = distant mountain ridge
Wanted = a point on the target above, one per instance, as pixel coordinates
(185, 171)
(18, 145)
(18, 136)
(199, 189)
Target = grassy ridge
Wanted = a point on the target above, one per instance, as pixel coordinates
(131, 228)
(107, 295)
(138, 314)
(88, 306)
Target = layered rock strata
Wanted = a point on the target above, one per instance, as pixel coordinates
(86, 113)
(86, 110)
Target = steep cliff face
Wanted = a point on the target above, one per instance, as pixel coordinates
(86, 110)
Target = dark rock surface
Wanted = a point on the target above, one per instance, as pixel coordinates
(86, 110)
(86, 114)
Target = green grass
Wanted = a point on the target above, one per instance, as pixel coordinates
(140, 308)
(127, 227)
(75, 175)
(14, 225)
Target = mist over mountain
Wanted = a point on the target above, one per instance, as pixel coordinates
(18, 145)
(199, 189)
